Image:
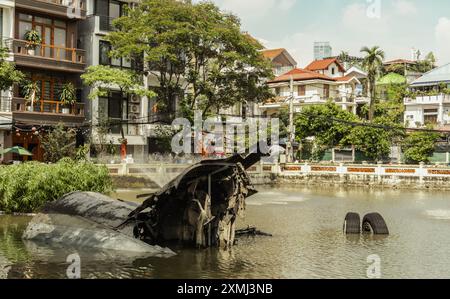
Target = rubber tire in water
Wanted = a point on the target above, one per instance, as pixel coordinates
(375, 222)
(352, 223)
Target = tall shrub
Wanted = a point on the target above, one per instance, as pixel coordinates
(26, 187)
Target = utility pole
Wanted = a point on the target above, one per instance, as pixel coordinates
(290, 143)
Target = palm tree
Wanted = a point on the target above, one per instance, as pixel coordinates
(373, 63)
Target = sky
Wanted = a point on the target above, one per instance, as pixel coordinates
(396, 26)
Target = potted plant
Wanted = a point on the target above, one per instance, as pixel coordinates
(33, 40)
(68, 97)
(31, 91)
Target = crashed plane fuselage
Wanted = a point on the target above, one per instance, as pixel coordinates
(198, 208)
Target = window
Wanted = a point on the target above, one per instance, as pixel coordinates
(333, 71)
(105, 59)
(109, 8)
(326, 90)
(301, 90)
(53, 33)
(277, 91)
(115, 108)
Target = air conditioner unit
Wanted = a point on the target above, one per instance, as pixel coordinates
(135, 99)
(134, 109)
(132, 117)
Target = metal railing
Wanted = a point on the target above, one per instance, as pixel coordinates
(47, 106)
(81, 4)
(48, 51)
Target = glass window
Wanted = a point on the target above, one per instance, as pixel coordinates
(114, 9)
(25, 17)
(115, 105)
(60, 24)
(101, 7)
(126, 63)
(24, 27)
(116, 61)
(103, 53)
(60, 37)
(43, 20)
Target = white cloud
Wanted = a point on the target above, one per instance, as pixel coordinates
(405, 7)
(255, 9)
(286, 4)
(442, 34)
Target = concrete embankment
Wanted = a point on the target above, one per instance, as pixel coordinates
(366, 181)
(417, 177)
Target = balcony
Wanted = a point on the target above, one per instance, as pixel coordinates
(47, 112)
(428, 100)
(49, 57)
(69, 9)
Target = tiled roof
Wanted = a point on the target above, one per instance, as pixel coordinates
(399, 61)
(433, 77)
(272, 53)
(301, 75)
(344, 79)
(323, 64)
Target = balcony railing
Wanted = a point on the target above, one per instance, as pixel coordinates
(81, 4)
(71, 9)
(432, 99)
(49, 51)
(48, 106)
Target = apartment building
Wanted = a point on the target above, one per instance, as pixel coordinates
(431, 104)
(122, 110)
(6, 33)
(50, 65)
(319, 82)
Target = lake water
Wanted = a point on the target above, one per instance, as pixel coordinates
(307, 241)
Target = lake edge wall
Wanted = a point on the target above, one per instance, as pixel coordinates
(412, 177)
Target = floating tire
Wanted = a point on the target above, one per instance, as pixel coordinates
(374, 223)
(352, 224)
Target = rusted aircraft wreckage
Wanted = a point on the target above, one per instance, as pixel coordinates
(198, 208)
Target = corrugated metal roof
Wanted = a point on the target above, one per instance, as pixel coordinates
(433, 77)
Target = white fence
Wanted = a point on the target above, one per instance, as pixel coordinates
(169, 171)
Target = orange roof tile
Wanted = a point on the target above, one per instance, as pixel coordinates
(272, 53)
(300, 75)
(345, 78)
(323, 64)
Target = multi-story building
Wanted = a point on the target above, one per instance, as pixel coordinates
(322, 50)
(431, 105)
(52, 64)
(6, 33)
(123, 111)
(282, 62)
(320, 82)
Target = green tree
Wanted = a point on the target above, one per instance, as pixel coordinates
(373, 63)
(193, 49)
(320, 122)
(102, 78)
(419, 146)
(58, 143)
(8, 73)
